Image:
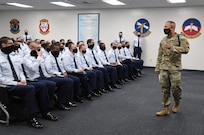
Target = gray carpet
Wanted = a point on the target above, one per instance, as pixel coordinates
(128, 111)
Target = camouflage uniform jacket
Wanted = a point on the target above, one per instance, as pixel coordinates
(170, 59)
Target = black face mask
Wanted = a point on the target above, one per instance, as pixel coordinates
(34, 53)
(123, 46)
(128, 47)
(119, 48)
(114, 47)
(8, 49)
(84, 51)
(61, 49)
(16, 47)
(167, 31)
(91, 46)
(48, 49)
(139, 35)
(55, 53)
(103, 48)
(75, 50)
(26, 33)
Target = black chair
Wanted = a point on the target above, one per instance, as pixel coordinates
(4, 114)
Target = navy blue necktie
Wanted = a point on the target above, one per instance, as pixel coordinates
(75, 63)
(105, 56)
(86, 61)
(41, 72)
(58, 65)
(116, 60)
(13, 69)
(94, 57)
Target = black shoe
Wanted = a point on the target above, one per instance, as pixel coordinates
(114, 86)
(131, 78)
(95, 94)
(122, 81)
(34, 123)
(62, 107)
(71, 104)
(99, 92)
(103, 90)
(50, 116)
(78, 99)
(119, 83)
(108, 88)
(139, 75)
(89, 97)
(126, 80)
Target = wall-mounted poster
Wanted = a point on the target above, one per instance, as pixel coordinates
(88, 26)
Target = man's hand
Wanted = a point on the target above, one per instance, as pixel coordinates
(39, 53)
(65, 74)
(80, 70)
(157, 72)
(21, 83)
(167, 46)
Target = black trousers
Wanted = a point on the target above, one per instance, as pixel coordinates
(137, 52)
(28, 93)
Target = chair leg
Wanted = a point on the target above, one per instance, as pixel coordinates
(6, 121)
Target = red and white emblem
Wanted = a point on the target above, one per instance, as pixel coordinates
(44, 26)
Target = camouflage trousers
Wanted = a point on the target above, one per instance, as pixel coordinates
(170, 81)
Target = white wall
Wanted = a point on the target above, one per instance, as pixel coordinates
(64, 25)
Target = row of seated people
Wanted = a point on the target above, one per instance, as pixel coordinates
(34, 71)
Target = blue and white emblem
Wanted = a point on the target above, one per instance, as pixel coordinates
(142, 26)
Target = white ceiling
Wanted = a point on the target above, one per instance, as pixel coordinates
(96, 4)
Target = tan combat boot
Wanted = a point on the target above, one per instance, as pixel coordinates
(175, 107)
(163, 112)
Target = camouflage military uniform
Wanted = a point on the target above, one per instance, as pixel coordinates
(169, 66)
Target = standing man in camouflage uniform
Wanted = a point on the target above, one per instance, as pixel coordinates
(168, 67)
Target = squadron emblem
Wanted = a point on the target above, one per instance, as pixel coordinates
(142, 26)
(191, 28)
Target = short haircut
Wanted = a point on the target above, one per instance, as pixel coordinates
(53, 45)
(4, 40)
(89, 41)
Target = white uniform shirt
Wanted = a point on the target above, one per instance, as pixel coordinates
(31, 66)
(68, 62)
(29, 37)
(6, 75)
(135, 41)
(113, 56)
(91, 58)
(103, 58)
(118, 39)
(51, 66)
(84, 60)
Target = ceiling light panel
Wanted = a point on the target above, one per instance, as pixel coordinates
(176, 1)
(19, 5)
(63, 4)
(114, 2)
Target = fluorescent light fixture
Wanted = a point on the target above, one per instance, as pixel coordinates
(19, 5)
(114, 2)
(63, 4)
(176, 1)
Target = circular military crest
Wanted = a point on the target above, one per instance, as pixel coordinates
(142, 25)
(44, 26)
(191, 28)
(14, 25)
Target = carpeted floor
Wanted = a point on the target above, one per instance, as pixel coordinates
(128, 111)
